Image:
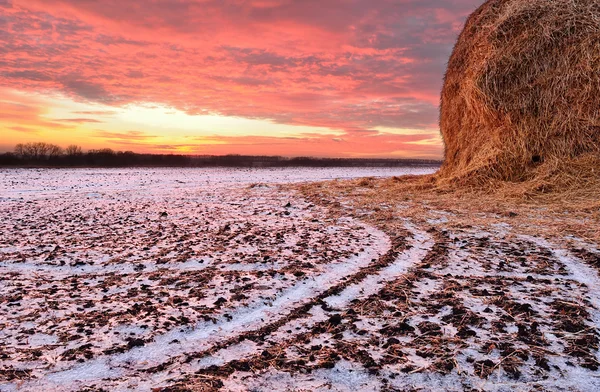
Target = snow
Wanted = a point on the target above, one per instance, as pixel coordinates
(112, 223)
(344, 377)
(137, 279)
(421, 243)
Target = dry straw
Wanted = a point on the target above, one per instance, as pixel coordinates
(520, 109)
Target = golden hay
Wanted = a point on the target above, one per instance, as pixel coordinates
(521, 98)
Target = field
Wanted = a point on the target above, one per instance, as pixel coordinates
(251, 280)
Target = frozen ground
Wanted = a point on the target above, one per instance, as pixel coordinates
(186, 279)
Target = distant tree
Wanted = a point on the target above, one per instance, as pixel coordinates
(54, 151)
(37, 151)
(20, 150)
(9, 159)
(102, 151)
(73, 150)
(45, 154)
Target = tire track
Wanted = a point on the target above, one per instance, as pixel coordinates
(479, 302)
(314, 315)
(241, 324)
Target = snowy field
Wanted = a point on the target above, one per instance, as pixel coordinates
(106, 274)
(220, 279)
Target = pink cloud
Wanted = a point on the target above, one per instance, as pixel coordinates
(340, 64)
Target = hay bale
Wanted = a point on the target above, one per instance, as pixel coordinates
(521, 97)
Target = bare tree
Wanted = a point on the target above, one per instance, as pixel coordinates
(73, 150)
(39, 150)
(54, 151)
(103, 151)
(20, 150)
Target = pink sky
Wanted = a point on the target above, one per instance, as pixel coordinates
(276, 77)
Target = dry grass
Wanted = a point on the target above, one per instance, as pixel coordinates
(520, 118)
(521, 98)
(418, 199)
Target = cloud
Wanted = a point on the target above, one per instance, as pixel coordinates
(337, 64)
(25, 114)
(351, 144)
(28, 75)
(23, 129)
(78, 120)
(91, 91)
(96, 112)
(123, 136)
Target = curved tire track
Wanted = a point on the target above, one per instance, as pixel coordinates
(244, 323)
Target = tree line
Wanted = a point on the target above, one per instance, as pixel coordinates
(49, 155)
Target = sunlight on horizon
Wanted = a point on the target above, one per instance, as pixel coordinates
(151, 127)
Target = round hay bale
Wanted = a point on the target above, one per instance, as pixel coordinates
(521, 96)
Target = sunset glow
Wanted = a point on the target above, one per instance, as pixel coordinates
(347, 78)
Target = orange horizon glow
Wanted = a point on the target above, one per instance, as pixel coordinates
(260, 77)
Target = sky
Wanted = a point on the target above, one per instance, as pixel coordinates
(325, 78)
